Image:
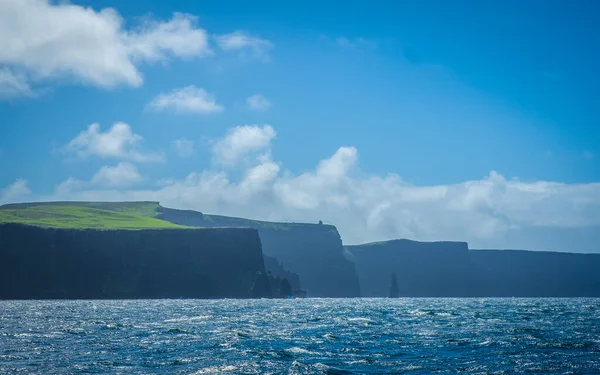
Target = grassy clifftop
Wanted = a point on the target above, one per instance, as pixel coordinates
(84, 215)
(199, 219)
(126, 215)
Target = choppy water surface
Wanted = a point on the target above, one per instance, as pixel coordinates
(307, 336)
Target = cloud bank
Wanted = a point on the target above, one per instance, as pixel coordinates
(364, 207)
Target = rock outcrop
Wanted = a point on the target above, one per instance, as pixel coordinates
(277, 269)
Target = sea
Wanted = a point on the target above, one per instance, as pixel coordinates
(301, 336)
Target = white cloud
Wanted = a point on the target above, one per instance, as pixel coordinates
(188, 99)
(258, 102)
(179, 37)
(13, 84)
(16, 192)
(117, 142)
(488, 212)
(184, 147)
(242, 141)
(246, 45)
(310, 190)
(259, 177)
(65, 41)
(69, 185)
(120, 175)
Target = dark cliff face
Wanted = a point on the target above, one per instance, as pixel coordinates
(316, 254)
(313, 251)
(450, 269)
(517, 273)
(423, 269)
(93, 264)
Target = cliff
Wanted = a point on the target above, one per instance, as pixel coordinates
(423, 269)
(40, 263)
(519, 273)
(313, 251)
(450, 269)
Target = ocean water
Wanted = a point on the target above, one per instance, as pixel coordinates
(301, 336)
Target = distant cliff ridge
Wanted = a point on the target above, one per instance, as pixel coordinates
(519, 273)
(450, 269)
(143, 250)
(313, 251)
(423, 269)
(42, 263)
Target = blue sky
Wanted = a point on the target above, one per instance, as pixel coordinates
(429, 120)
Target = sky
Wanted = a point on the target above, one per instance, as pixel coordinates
(470, 120)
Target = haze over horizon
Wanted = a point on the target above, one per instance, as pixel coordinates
(468, 121)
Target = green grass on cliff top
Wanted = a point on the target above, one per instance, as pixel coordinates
(121, 215)
(86, 215)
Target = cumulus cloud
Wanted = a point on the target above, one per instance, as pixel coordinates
(179, 37)
(16, 192)
(117, 142)
(48, 41)
(188, 99)
(184, 147)
(122, 174)
(309, 190)
(242, 141)
(486, 212)
(248, 46)
(258, 102)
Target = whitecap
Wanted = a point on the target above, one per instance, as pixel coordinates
(215, 370)
(297, 351)
(360, 320)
